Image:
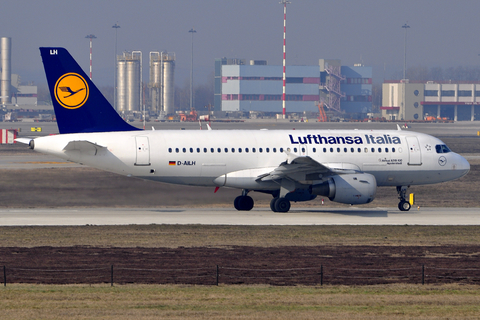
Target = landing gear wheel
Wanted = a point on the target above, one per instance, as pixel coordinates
(272, 204)
(243, 203)
(404, 205)
(282, 205)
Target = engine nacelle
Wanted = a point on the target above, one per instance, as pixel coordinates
(353, 188)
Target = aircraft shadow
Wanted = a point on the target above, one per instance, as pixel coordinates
(359, 213)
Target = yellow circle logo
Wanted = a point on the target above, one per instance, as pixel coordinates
(71, 91)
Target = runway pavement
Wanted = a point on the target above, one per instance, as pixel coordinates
(229, 216)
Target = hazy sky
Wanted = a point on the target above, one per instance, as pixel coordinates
(442, 33)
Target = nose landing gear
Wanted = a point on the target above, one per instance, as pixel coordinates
(403, 205)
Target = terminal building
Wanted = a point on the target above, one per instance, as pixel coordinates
(257, 86)
(409, 100)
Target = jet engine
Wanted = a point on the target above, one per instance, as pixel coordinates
(358, 188)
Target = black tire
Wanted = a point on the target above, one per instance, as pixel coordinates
(272, 204)
(404, 205)
(243, 203)
(246, 203)
(236, 202)
(282, 205)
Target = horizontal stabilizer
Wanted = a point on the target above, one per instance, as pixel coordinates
(83, 146)
(23, 140)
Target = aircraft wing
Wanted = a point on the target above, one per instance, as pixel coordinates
(301, 168)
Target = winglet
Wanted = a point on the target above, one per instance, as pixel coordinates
(79, 105)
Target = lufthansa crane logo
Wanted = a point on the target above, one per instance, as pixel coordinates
(71, 91)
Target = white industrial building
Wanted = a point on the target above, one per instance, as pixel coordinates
(406, 100)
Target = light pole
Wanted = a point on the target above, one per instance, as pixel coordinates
(404, 111)
(192, 31)
(115, 26)
(91, 37)
(284, 2)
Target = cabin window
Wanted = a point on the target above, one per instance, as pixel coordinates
(177, 150)
(226, 150)
(366, 150)
(170, 150)
(331, 149)
(345, 150)
(254, 150)
(198, 150)
(274, 149)
(260, 150)
(246, 150)
(205, 150)
(191, 150)
(379, 150)
(324, 150)
(281, 150)
(314, 150)
(219, 150)
(359, 150)
(338, 150)
(267, 149)
(240, 150)
(386, 150)
(393, 150)
(184, 150)
(352, 150)
(212, 150)
(295, 150)
(233, 150)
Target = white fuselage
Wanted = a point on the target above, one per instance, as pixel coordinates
(235, 158)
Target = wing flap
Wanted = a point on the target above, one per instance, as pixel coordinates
(305, 168)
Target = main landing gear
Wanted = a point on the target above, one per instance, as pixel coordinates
(279, 205)
(243, 202)
(403, 205)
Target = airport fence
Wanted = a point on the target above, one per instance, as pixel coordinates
(216, 275)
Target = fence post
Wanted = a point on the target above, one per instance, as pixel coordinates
(4, 276)
(111, 276)
(423, 274)
(321, 275)
(217, 274)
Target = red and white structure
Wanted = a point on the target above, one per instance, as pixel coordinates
(8, 136)
(91, 37)
(284, 2)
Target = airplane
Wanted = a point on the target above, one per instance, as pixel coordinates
(347, 166)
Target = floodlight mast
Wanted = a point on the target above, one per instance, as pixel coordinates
(91, 37)
(284, 2)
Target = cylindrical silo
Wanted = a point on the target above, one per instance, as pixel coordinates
(168, 84)
(129, 81)
(121, 84)
(6, 64)
(155, 82)
(162, 69)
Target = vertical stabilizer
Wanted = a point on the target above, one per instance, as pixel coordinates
(79, 105)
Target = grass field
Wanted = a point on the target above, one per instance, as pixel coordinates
(173, 236)
(239, 302)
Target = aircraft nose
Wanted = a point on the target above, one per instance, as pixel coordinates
(461, 165)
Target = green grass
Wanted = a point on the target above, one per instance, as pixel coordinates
(220, 236)
(239, 302)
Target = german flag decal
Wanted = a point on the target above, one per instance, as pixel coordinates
(172, 163)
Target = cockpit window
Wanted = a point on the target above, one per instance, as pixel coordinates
(441, 148)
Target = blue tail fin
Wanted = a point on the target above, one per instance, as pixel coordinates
(79, 106)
